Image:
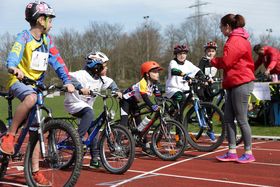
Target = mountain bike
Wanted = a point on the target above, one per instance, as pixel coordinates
(203, 121)
(43, 132)
(116, 144)
(168, 139)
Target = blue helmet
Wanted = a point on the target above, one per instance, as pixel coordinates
(92, 63)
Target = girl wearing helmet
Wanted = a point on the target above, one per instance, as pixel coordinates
(30, 55)
(180, 70)
(210, 49)
(141, 91)
(92, 77)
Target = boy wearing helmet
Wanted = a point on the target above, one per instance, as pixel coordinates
(179, 71)
(30, 55)
(210, 49)
(91, 78)
(141, 91)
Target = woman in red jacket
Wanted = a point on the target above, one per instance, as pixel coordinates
(238, 71)
(268, 56)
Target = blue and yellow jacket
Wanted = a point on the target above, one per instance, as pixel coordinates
(21, 54)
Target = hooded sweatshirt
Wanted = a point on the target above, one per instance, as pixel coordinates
(237, 61)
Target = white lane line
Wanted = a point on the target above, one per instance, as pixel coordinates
(203, 179)
(265, 163)
(172, 164)
(260, 149)
(13, 184)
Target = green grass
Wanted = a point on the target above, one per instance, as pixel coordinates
(57, 106)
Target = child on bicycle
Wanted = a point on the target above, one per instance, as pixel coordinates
(91, 78)
(180, 70)
(141, 91)
(30, 55)
(210, 49)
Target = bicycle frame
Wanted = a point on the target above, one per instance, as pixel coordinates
(96, 125)
(29, 124)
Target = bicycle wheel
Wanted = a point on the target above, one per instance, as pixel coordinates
(3, 127)
(169, 140)
(117, 150)
(205, 138)
(50, 165)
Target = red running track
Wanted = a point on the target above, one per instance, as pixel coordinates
(192, 169)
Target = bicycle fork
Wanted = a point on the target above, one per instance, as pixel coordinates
(200, 117)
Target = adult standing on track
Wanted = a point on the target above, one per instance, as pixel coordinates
(238, 66)
(270, 57)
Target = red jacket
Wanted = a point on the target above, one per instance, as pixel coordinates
(237, 61)
(270, 59)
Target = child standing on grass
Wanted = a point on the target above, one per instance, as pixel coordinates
(30, 56)
(91, 78)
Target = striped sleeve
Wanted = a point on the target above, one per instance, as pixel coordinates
(58, 64)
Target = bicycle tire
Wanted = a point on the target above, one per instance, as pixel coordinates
(54, 157)
(3, 127)
(169, 140)
(197, 135)
(123, 149)
(4, 160)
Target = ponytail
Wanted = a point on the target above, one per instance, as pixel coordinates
(234, 21)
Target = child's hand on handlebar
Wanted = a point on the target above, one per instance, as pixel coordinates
(85, 91)
(70, 88)
(17, 72)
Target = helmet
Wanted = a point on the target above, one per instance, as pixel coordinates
(94, 65)
(148, 66)
(34, 10)
(210, 44)
(181, 48)
(98, 55)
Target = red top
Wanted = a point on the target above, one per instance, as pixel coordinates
(237, 61)
(270, 59)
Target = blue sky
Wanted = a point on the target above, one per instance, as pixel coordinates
(259, 14)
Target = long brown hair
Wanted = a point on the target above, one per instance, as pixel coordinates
(234, 21)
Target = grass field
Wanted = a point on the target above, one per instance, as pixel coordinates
(56, 104)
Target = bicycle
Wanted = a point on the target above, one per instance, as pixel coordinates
(168, 139)
(42, 134)
(116, 144)
(203, 121)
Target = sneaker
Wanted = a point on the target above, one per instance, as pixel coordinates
(95, 164)
(211, 135)
(228, 157)
(7, 144)
(40, 179)
(246, 158)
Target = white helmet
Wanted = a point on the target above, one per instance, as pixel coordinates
(98, 55)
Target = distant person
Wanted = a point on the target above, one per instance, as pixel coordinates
(30, 56)
(270, 57)
(238, 75)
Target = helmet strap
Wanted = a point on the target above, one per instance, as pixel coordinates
(46, 23)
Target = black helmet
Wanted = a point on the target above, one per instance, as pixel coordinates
(34, 10)
(180, 48)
